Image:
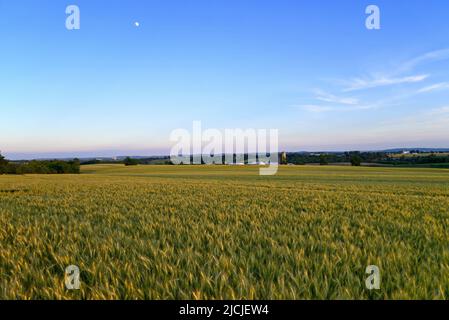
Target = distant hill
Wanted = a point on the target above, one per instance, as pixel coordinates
(418, 149)
(158, 158)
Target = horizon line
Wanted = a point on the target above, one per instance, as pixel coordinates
(23, 156)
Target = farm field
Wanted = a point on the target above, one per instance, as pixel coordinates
(218, 232)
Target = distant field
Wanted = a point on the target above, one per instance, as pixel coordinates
(218, 232)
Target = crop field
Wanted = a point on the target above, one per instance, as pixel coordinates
(218, 232)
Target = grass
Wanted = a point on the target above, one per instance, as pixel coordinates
(199, 232)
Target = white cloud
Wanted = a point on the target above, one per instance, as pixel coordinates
(316, 108)
(429, 120)
(327, 97)
(338, 108)
(439, 111)
(436, 55)
(435, 87)
(329, 102)
(360, 84)
(393, 77)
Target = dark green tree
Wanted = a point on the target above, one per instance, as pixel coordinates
(323, 160)
(3, 164)
(356, 160)
(130, 162)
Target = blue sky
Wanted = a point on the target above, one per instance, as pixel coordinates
(308, 68)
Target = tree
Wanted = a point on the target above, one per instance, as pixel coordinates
(3, 164)
(40, 167)
(130, 162)
(323, 160)
(356, 160)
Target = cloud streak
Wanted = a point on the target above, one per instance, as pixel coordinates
(327, 97)
(435, 87)
(360, 84)
(330, 102)
(394, 77)
(437, 55)
(316, 108)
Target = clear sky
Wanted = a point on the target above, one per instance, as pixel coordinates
(309, 68)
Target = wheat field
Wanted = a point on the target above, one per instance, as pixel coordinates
(218, 232)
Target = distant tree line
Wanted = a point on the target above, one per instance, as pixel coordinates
(41, 167)
(323, 158)
(356, 158)
(129, 161)
(432, 158)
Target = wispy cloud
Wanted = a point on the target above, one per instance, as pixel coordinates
(435, 87)
(439, 111)
(360, 84)
(431, 56)
(327, 97)
(340, 103)
(316, 108)
(343, 102)
(394, 77)
(429, 117)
